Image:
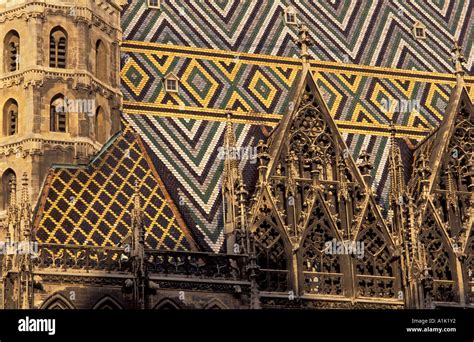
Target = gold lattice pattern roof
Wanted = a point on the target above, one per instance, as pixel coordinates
(91, 205)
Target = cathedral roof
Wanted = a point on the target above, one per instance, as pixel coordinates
(91, 204)
(375, 33)
(240, 57)
(184, 131)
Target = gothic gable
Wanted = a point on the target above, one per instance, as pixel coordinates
(443, 170)
(440, 211)
(452, 187)
(319, 208)
(307, 151)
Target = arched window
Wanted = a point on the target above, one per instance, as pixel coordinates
(57, 302)
(58, 117)
(107, 303)
(215, 304)
(8, 177)
(167, 304)
(10, 118)
(100, 61)
(12, 51)
(271, 257)
(57, 48)
(100, 133)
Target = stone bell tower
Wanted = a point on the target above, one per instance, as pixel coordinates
(59, 85)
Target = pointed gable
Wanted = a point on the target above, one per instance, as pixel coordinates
(443, 165)
(442, 191)
(312, 196)
(459, 116)
(305, 148)
(310, 123)
(91, 205)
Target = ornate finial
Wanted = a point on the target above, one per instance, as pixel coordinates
(365, 166)
(393, 141)
(263, 158)
(241, 192)
(304, 41)
(25, 207)
(24, 190)
(231, 165)
(138, 238)
(12, 184)
(229, 131)
(423, 167)
(136, 195)
(12, 191)
(392, 129)
(262, 153)
(458, 59)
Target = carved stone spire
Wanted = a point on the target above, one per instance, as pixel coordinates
(304, 42)
(25, 263)
(395, 168)
(458, 61)
(12, 226)
(138, 237)
(138, 251)
(12, 213)
(25, 209)
(263, 159)
(365, 166)
(397, 194)
(230, 187)
(392, 163)
(231, 167)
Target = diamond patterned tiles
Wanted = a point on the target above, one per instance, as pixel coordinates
(91, 205)
(257, 89)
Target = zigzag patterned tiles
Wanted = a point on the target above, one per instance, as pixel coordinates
(185, 153)
(377, 33)
(225, 58)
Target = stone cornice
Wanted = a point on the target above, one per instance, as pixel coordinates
(37, 76)
(81, 14)
(118, 279)
(36, 146)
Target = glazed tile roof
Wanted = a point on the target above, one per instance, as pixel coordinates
(91, 205)
(375, 33)
(183, 131)
(186, 154)
(240, 56)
